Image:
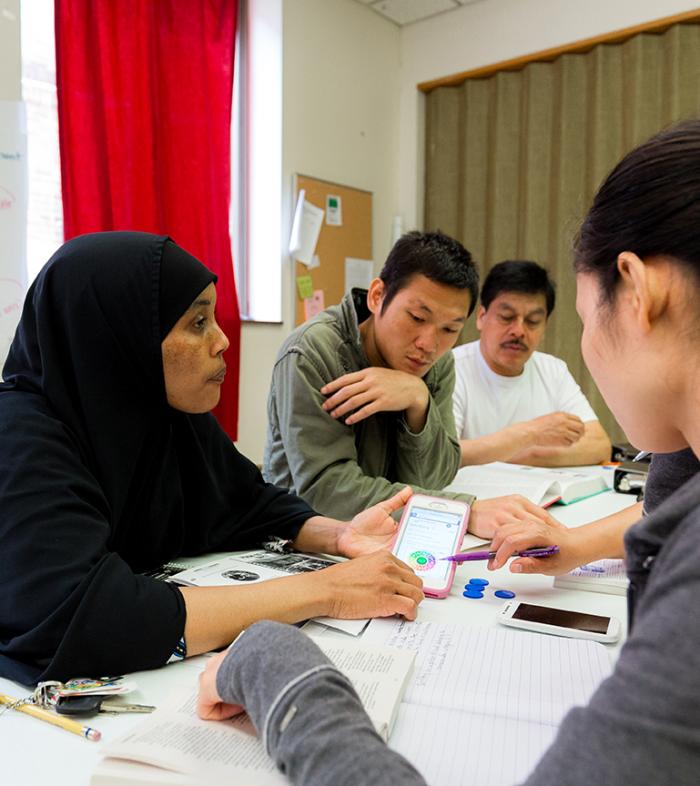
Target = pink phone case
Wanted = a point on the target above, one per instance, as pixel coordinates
(433, 592)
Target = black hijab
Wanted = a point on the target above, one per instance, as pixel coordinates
(122, 482)
(89, 340)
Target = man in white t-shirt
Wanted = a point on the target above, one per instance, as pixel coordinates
(512, 403)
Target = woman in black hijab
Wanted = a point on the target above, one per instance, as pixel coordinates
(111, 465)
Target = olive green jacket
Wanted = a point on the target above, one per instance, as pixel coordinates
(337, 469)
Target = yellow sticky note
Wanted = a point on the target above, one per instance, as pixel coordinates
(305, 286)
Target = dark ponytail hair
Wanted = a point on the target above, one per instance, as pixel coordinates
(649, 205)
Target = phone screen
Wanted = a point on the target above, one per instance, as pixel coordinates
(563, 619)
(426, 537)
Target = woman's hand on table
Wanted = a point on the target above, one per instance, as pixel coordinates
(515, 537)
(209, 703)
(376, 585)
(372, 529)
(489, 516)
(601, 539)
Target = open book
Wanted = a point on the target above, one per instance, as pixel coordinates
(484, 704)
(605, 575)
(250, 567)
(539, 485)
(173, 747)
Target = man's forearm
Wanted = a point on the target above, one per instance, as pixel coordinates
(417, 413)
(593, 448)
(502, 445)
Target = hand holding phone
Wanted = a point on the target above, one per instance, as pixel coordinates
(560, 622)
(431, 529)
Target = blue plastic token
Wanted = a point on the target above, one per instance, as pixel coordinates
(505, 594)
(478, 583)
(473, 593)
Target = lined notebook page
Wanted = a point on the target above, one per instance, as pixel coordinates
(451, 748)
(471, 686)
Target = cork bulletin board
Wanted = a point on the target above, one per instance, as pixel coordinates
(335, 243)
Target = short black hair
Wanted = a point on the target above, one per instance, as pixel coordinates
(434, 255)
(518, 275)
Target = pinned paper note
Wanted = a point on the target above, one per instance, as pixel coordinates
(305, 229)
(314, 305)
(334, 211)
(305, 286)
(358, 273)
(315, 262)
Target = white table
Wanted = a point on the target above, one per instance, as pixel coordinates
(532, 588)
(33, 753)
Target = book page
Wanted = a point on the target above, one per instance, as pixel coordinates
(249, 568)
(537, 484)
(488, 671)
(602, 569)
(174, 738)
(605, 575)
(378, 674)
(123, 772)
(497, 479)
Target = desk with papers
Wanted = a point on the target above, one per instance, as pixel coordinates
(34, 753)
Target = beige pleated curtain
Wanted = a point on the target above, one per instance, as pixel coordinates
(513, 160)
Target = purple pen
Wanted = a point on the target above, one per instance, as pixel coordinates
(469, 556)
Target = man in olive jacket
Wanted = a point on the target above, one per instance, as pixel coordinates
(361, 397)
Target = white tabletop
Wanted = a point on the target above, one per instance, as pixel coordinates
(33, 753)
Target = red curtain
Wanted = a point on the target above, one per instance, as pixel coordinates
(144, 109)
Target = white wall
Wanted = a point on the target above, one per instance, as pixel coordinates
(352, 113)
(10, 63)
(340, 116)
(487, 32)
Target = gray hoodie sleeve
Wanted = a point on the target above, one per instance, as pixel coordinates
(307, 713)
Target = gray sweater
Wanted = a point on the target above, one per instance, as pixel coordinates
(642, 726)
(307, 713)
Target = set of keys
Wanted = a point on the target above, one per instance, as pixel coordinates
(86, 696)
(91, 704)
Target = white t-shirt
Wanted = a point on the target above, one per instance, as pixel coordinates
(485, 402)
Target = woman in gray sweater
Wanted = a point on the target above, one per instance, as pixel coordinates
(637, 263)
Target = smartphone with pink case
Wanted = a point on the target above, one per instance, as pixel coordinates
(431, 528)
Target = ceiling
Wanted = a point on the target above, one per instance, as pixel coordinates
(404, 12)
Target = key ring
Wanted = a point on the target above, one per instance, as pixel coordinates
(46, 693)
(14, 705)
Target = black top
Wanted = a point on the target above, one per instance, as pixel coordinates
(100, 479)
